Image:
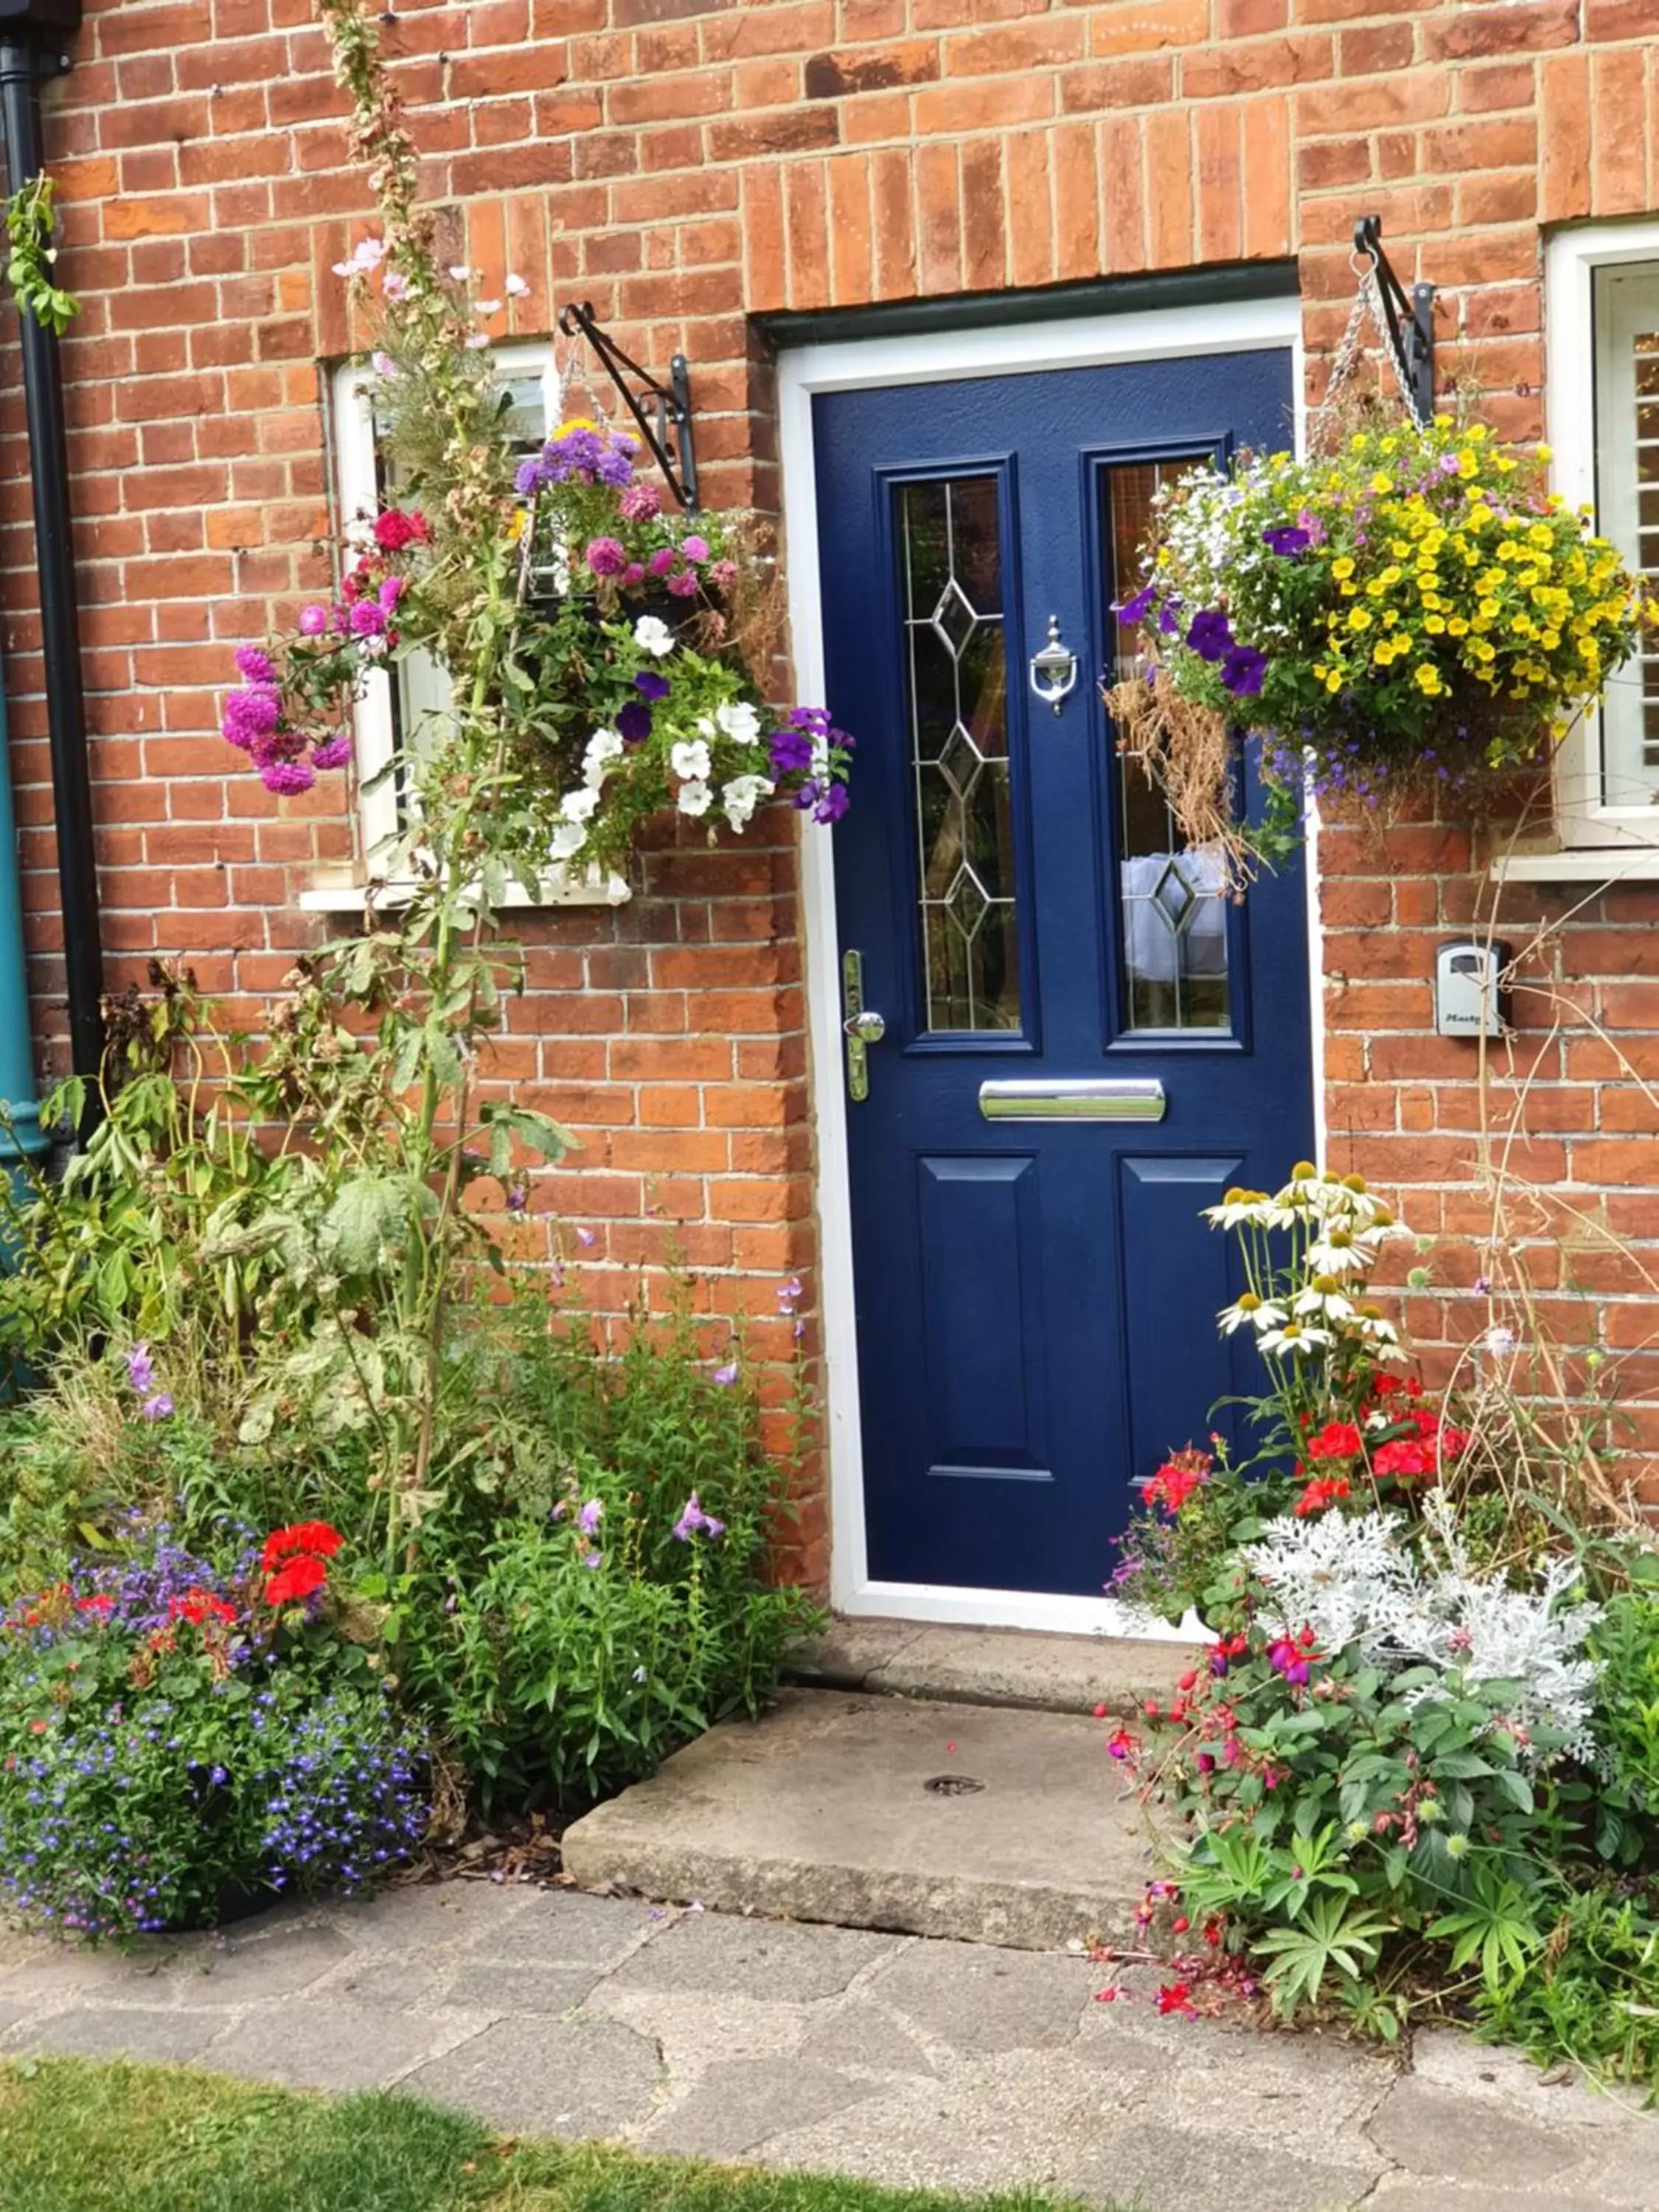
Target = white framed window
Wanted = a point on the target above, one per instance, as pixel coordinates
(402, 702)
(1602, 332)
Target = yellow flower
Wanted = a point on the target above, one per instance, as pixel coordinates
(1428, 679)
(1458, 626)
(1359, 618)
(1332, 682)
(1342, 567)
(1479, 515)
(1382, 482)
(1489, 610)
(1434, 624)
(1467, 463)
(1541, 534)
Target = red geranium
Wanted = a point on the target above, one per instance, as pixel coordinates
(198, 1607)
(296, 1580)
(1322, 1491)
(1336, 1440)
(314, 1537)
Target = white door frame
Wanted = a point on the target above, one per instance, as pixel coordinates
(1085, 341)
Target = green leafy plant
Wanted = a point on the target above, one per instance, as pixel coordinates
(31, 227)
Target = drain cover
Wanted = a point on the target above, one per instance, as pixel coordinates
(952, 1785)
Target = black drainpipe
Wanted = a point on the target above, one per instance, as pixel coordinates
(32, 36)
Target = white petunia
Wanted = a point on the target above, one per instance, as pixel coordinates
(603, 747)
(742, 795)
(740, 721)
(569, 838)
(690, 759)
(579, 805)
(694, 798)
(652, 634)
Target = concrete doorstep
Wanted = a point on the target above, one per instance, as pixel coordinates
(988, 1824)
(992, 1665)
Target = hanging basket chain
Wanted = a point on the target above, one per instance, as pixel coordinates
(1367, 307)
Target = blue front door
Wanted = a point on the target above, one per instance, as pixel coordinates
(1036, 1293)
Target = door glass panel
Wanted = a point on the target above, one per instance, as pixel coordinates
(956, 695)
(1172, 907)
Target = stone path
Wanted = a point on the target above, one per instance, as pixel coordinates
(897, 2059)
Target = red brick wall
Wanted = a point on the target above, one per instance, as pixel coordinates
(686, 164)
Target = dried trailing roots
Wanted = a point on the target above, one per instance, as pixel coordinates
(1185, 750)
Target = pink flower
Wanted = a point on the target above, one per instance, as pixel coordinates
(395, 286)
(314, 621)
(606, 556)
(640, 502)
(368, 618)
(683, 585)
(723, 575)
(287, 778)
(366, 257)
(634, 573)
(392, 591)
(662, 561)
(333, 752)
(695, 549)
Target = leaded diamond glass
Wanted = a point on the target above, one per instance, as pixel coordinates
(949, 533)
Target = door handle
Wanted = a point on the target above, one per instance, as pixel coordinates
(861, 1026)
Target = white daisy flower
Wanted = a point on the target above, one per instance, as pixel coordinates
(1237, 1207)
(689, 759)
(652, 634)
(1374, 1327)
(1256, 1312)
(1294, 1340)
(694, 798)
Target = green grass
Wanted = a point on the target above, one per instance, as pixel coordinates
(80, 2137)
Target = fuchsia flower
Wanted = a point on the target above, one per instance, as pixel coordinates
(287, 779)
(314, 621)
(695, 549)
(639, 502)
(333, 752)
(683, 585)
(662, 561)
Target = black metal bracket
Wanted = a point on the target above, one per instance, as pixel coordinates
(1410, 321)
(673, 401)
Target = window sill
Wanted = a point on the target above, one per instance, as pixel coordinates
(1600, 864)
(326, 895)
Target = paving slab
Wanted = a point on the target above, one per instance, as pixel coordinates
(992, 1666)
(896, 2058)
(579, 2078)
(989, 1824)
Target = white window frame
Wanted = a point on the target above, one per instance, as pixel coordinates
(356, 488)
(1594, 837)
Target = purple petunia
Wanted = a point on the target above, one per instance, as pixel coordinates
(792, 751)
(1287, 541)
(1134, 610)
(650, 685)
(1242, 671)
(634, 722)
(1211, 634)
